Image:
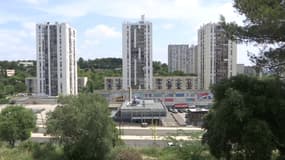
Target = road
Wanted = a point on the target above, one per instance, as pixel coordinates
(160, 131)
(142, 137)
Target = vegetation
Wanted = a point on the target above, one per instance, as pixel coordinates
(16, 123)
(124, 153)
(97, 69)
(31, 151)
(264, 25)
(14, 84)
(83, 126)
(247, 119)
(100, 63)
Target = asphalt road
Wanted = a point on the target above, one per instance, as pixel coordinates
(141, 137)
(150, 132)
(159, 131)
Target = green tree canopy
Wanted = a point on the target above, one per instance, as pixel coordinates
(16, 123)
(83, 125)
(265, 25)
(247, 120)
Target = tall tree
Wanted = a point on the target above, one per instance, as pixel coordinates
(83, 125)
(16, 123)
(247, 119)
(264, 25)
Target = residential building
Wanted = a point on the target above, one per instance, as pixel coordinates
(137, 55)
(240, 68)
(159, 83)
(217, 55)
(251, 71)
(178, 58)
(82, 82)
(10, 72)
(31, 85)
(113, 83)
(175, 83)
(26, 63)
(247, 70)
(192, 59)
(183, 58)
(56, 59)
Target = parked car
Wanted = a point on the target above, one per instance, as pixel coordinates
(175, 111)
(144, 124)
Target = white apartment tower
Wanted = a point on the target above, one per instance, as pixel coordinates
(178, 57)
(137, 55)
(217, 55)
(56, 59)
(192, 59)
(183, 58)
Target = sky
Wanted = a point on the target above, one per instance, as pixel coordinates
(99, 24)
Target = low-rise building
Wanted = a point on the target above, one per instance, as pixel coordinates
(141, 110)
(10, 72)
(250, 70)
(195, 116)
(31, 84)
(240, 68)
(26, 63)
(113, 83)
(159, 83)
(82, 82)
(175, 83)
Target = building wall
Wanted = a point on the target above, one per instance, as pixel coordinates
(159, 83)
(178, 57)
(192, 58)
(175, 83)
(217, 55)
(10, 72)
(240, 68)
(31, 84)
(250, 70)
(113, 83)
(137, 55)
(82, 82)
(56, 59)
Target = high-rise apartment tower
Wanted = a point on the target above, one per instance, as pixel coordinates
(137, 55)
(217, 55)
(56, 59)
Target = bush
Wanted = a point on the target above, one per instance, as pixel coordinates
(128, 154)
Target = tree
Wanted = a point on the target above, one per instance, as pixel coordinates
(247, 119)
(265, 25)
(84, 127)
(16, 123)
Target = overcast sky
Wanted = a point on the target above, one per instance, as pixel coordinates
(99, 24)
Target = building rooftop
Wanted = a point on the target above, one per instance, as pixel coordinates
(140, 104)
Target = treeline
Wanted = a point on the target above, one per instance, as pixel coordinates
(94, 69)
(100, 63)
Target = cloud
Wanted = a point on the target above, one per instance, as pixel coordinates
(168, 26)
(102, 31)
(35, 2)
(97, 41)
(30, 28)
(193, 10)
(17, 43)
